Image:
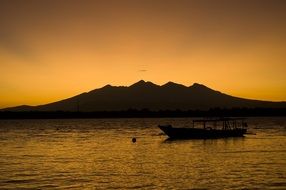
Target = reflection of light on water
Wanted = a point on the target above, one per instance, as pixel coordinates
(86, 154)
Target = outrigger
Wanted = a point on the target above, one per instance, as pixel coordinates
(208, 129)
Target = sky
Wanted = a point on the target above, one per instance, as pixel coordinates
(55, 49)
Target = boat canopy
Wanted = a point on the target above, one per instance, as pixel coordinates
(223, 123)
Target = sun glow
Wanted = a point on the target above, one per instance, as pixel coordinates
(52, 50)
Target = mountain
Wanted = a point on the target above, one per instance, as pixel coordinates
(147, 95)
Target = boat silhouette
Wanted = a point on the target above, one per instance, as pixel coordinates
(208, 129)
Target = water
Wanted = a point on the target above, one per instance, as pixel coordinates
(99, 154)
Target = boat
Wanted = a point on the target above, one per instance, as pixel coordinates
(208, 129)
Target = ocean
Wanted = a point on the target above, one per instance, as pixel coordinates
(100, 154)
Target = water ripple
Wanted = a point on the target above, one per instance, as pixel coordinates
(99, 154)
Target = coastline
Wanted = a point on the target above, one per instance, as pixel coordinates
(145, 113)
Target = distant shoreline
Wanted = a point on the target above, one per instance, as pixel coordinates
(145, 113)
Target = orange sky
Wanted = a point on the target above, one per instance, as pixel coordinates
(51, 50)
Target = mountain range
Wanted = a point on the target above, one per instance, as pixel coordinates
(147, 95)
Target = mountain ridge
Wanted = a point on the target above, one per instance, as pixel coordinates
(147, 95)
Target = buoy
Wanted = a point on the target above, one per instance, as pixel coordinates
(134, 140)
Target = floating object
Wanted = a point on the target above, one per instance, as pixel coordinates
(134, 140)
(209, 129)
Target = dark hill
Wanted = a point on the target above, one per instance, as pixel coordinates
(141, 95)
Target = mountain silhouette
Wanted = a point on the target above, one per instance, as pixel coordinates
(147, 95)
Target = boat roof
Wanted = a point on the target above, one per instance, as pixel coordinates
(218, 119)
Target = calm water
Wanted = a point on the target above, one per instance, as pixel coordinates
(99, 154)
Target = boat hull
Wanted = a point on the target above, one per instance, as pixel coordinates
(197, 133)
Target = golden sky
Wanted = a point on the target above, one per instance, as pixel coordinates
(55, 49)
